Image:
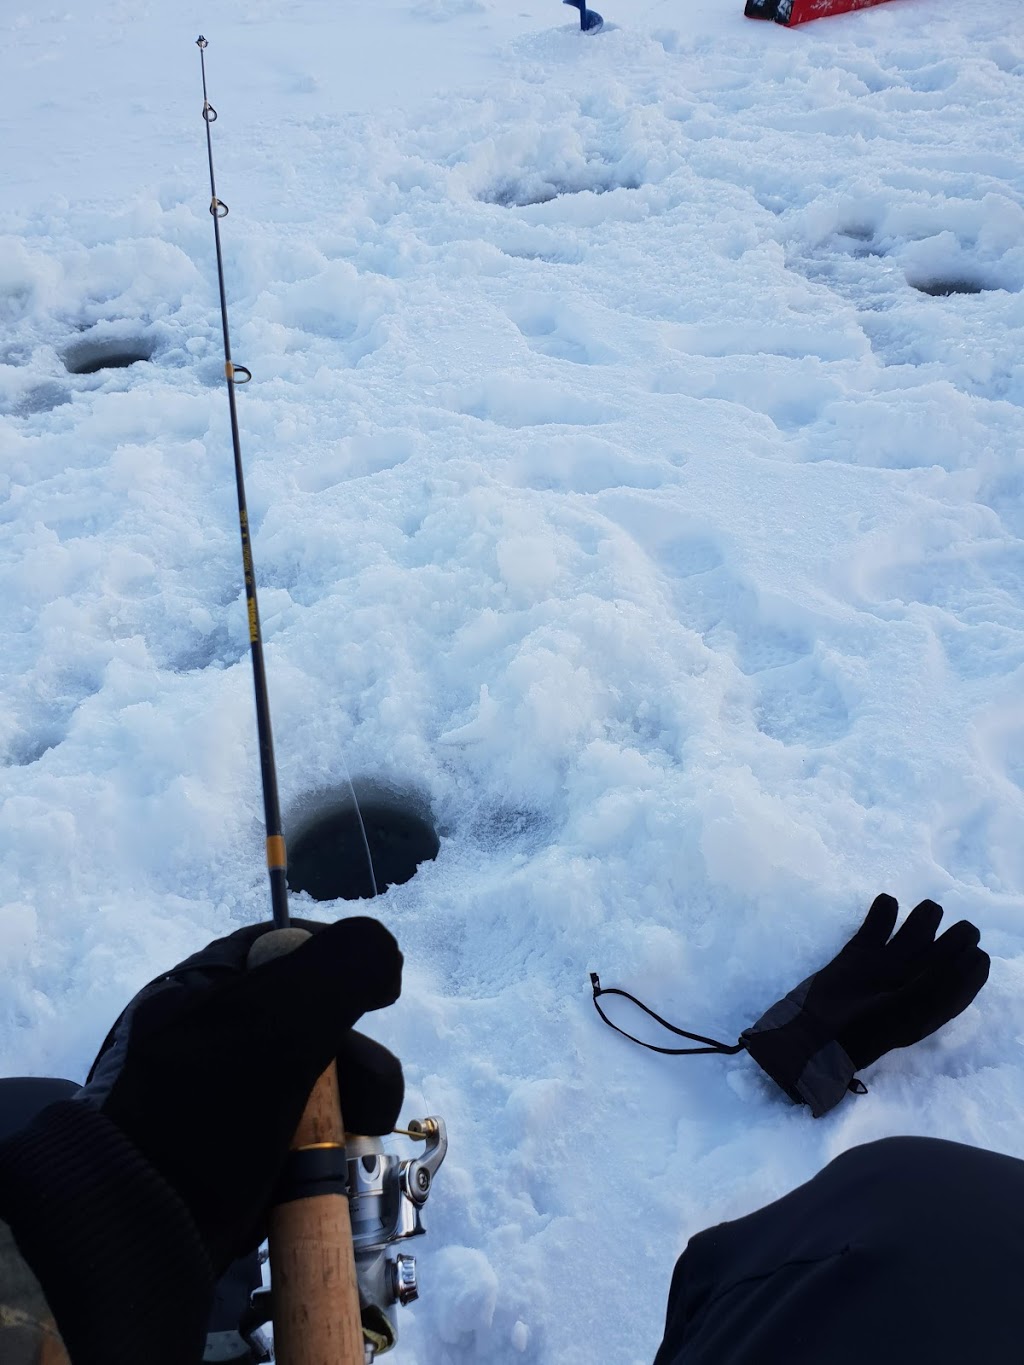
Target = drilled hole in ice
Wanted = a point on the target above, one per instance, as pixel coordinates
(92, 354)
(523, 191)
(328, 859)
(943, 288)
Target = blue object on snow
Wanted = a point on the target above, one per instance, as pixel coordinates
(590, 20)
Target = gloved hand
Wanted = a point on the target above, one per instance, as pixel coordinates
(208, 1070)
(875, 995)
(160, 1171)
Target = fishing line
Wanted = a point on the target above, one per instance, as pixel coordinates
(359, 817)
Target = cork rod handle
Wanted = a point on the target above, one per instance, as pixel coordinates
(315, 1292)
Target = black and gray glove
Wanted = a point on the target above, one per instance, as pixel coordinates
(875, 995)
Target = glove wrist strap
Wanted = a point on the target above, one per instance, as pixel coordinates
(710, 1044)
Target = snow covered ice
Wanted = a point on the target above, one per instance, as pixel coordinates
(634, 467)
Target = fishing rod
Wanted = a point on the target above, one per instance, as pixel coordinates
(315, 1292)
(277, 860)
(339, 1211)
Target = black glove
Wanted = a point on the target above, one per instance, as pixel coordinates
(877, 994)
(370, 1078)
(209, 1068)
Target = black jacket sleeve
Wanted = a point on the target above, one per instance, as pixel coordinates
(124, 1271)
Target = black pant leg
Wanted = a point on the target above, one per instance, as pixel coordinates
(899, 1251)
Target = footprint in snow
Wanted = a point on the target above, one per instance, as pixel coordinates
(728, 614)
(513, 402)
(554, 328)
(799, 705)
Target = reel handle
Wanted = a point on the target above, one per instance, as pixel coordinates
(315, 1295)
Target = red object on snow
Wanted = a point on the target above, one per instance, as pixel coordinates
(793, 12)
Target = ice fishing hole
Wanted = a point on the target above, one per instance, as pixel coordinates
(92, 355)
(940, 289)
(327, 859)
(538, 189)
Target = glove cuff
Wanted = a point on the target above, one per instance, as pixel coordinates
(115, 1250)
(794, 1048)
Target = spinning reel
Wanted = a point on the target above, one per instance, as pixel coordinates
(386, 1196)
